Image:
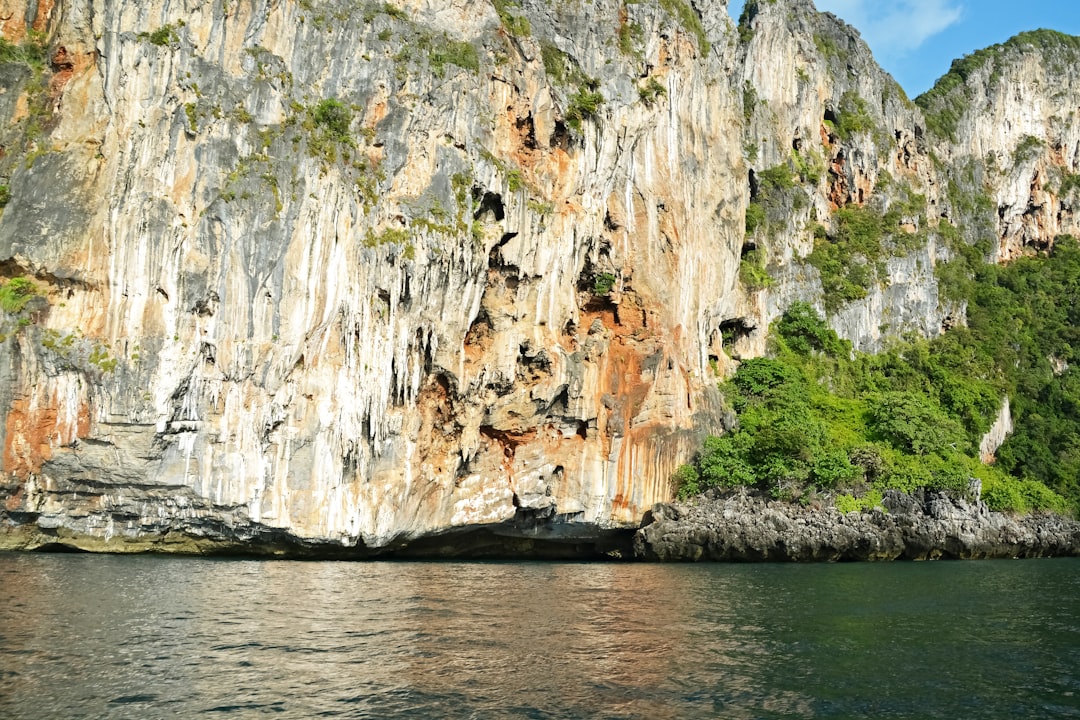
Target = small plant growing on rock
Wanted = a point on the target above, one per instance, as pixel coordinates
(854, 116)
(31, 53)
(515, 180)
(16, 293)
(1026, 149)
(849, 503)
(651, 90)
(603, 284)
(333, 116)
(389, 236)
(688, 18)
(99, 358)
(462, 54)
(554, 62)
(516, 25)
(584, 104)
(164, 36)
(630, 37)
(755, 217)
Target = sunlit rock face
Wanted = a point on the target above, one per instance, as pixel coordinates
(1011, 138)
(354, 274)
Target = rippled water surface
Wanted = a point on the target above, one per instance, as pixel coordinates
(149, 637)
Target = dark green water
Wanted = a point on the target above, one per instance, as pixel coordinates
(85, 636)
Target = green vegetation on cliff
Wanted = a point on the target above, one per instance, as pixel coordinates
(816, 418)
(689, 20)
(851, 258)
(944, 104)
(16, 293)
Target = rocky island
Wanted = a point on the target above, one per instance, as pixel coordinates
(445, 278)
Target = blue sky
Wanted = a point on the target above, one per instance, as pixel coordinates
(916, 40)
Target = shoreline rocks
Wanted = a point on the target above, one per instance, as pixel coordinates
(746, 527)
(742, 526)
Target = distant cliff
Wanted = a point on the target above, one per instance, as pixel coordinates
(336, 274)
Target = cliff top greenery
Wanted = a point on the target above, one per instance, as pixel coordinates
(944, 104)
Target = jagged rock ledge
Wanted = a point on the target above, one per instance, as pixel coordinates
(745, 527)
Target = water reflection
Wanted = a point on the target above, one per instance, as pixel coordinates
(585, 641)
(91, 636)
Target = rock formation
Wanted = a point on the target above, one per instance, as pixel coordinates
(747, 528)
(335, 274)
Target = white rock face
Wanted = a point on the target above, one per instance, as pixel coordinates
(1011, 110)
(997, 434)
(323, 272)
(369, 333)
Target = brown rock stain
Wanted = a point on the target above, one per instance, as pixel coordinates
(14, 501)
(507, 443)
(438, 435)
(29, 433)
(13, 15)
(22, 109)
(67, 65)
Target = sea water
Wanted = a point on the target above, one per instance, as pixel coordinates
(91, 636)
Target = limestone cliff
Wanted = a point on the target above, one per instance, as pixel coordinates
(817, 104)
(1009, 141)
(355, 273)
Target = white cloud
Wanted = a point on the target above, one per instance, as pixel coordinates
(895, 28)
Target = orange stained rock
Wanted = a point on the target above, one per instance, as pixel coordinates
(43, 15)
(22, 108)
(32, 433)
(13, 15)
(67, 65)
(28, 438)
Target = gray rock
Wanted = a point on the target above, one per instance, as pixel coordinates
(746, 527)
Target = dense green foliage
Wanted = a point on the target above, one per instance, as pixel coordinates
(584, 105)
(32, 52)
(1027, 319)
(334, 117)
(815, 418)
(603, 283)
(850, 258)
(846, 259)
(16, 293)
(165, 35)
